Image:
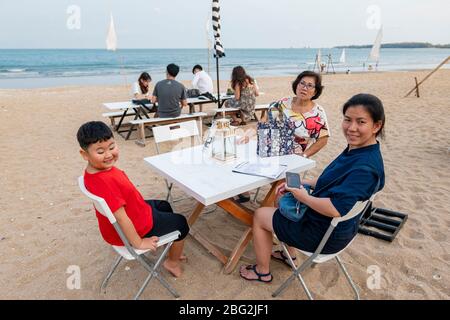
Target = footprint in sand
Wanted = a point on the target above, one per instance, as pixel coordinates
(438, 236)
(416, 235)
(446, 257)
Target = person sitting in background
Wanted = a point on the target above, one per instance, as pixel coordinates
(311, 133)
(202, 81)
(142, 221)
(353, 176)
(169, 93)
(245, 93)
(141, 88)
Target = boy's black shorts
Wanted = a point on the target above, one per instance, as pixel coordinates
(165, 220)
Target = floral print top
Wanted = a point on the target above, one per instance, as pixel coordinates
(310, 126)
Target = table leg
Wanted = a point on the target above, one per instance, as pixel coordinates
(270, 196)
(240, 212)
(237, 210)
(121, 119)
(191, 108)
(238, 251)
(194, 215)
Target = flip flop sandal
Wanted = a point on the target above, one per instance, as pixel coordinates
(259, 275)
(283, 258)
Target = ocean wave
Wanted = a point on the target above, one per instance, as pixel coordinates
(13, 70)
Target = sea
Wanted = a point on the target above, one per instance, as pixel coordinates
(37, 68)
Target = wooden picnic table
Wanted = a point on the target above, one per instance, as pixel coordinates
(211, 181)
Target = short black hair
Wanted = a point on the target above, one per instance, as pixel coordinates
(93, 132)
(372, 105)
(173, 69)
(197, 66)
(318, 79)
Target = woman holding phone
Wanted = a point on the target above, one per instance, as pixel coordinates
(352, 176)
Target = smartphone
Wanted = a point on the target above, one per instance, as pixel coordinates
(293, 180)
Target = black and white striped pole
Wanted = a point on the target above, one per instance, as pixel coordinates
(218, 48)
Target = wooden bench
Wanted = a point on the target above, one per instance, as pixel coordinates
(228, 111)
(116, 114)
(143, 123)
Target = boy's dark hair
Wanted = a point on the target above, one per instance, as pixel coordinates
(197, 66)
(173, 69)
(93, 132)
(317, 78)
(372, 105)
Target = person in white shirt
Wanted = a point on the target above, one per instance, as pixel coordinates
(141, 88)
(202, 81)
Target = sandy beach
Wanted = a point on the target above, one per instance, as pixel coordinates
(47, 225)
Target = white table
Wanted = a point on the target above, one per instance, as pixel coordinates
(124, 106)
(211, 181)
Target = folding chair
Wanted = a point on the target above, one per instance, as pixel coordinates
(172, 132)
(128, 252)
(316, 257)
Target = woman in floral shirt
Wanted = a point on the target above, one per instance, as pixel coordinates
(310, 119)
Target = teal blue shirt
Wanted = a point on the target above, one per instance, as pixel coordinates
(354, 182)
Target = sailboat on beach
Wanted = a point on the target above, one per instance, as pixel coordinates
(111, 45)
(374, 55)
(342, 58)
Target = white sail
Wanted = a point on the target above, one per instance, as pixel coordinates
(319, 61)
(342, 59)
(375, 52)
(111, 39)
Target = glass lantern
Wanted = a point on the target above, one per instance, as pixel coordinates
(224, 143)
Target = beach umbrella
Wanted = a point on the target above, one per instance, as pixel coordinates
(218, 48)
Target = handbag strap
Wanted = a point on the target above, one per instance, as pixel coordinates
(272, 106)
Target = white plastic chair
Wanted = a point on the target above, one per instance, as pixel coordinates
(172, 132)
(128, 252)
(316, 257)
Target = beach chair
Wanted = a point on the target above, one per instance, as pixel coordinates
(173, 132)
(127, 252)
(316, 258)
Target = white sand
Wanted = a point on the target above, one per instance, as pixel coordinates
(46, 225)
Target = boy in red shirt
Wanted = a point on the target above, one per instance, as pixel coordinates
(142, 221)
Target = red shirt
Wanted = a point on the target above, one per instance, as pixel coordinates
(114, 186)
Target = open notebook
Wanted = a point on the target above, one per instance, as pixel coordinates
(267, 170)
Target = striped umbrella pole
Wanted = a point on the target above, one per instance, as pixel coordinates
(218, 48)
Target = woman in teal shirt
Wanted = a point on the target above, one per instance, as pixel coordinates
(353, 176)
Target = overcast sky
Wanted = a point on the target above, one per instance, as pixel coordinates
(245, 23)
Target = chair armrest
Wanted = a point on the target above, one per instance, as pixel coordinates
(359, 207)
(168, 238)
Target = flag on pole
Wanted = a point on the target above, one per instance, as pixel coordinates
(218, 48)
(111, 39)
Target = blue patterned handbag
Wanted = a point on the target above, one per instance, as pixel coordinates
(276, 136)
(291, 208)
